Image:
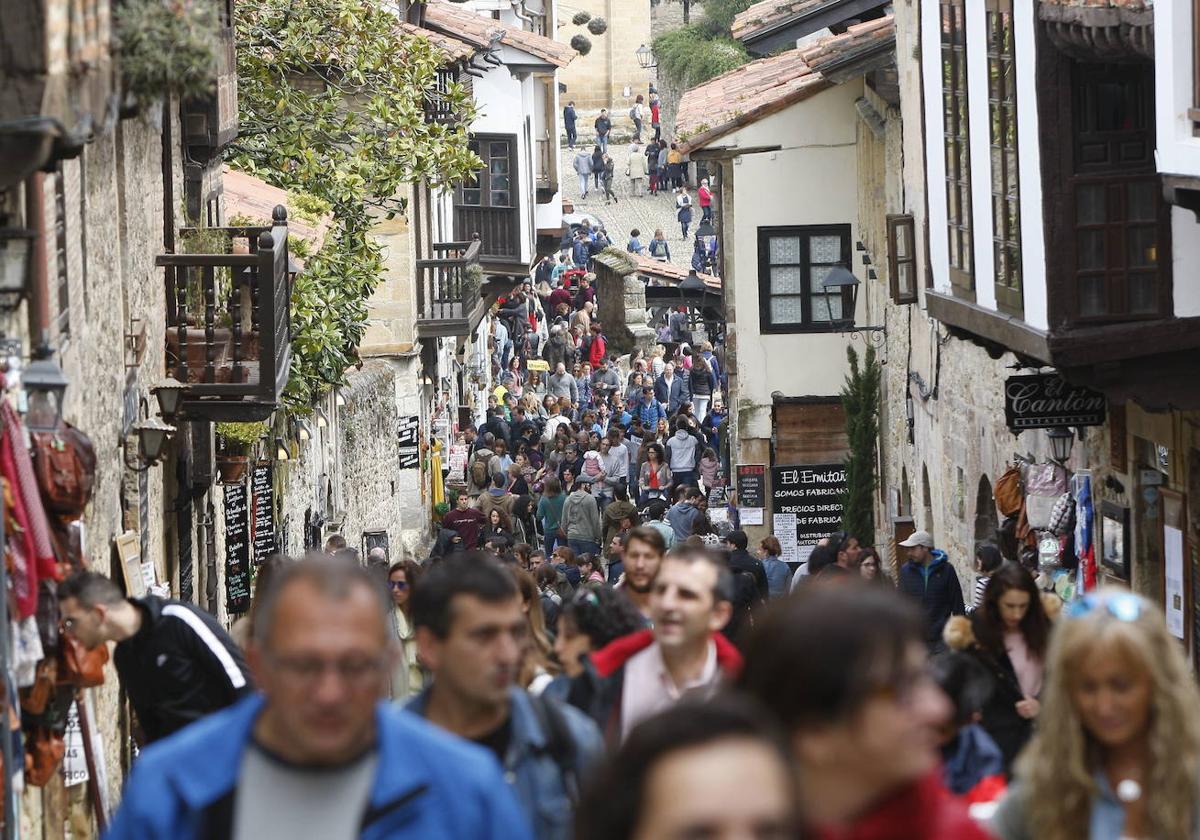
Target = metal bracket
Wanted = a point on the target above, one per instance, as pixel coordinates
(135, 343)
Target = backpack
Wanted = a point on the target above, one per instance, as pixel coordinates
(633, 114)
(479, 470)
(64, 463)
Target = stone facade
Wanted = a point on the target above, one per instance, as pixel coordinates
(621, 294)
(600, 78)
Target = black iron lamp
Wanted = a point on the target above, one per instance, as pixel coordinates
(16, 255)
(707, 235)
(841, 280)
(1062, 441)
(151, 435)
(645, 57)
(169, 393)
(45, 385)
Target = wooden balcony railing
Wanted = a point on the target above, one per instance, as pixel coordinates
(229, 322)
(437, 106)
(448, 287)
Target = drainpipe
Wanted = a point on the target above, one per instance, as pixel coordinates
(39, 286)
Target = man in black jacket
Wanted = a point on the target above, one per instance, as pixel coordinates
(176, 663)
(929, 577)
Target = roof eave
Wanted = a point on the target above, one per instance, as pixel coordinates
(702, 139)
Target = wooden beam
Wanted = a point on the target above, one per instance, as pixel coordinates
(730, 152)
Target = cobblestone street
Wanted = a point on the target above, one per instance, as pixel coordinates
(645, 213)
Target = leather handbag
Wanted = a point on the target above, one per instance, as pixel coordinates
(43, 754)
(1008, 493)
(80, 666)
(64, 463)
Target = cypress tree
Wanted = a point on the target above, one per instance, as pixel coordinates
(860, 399)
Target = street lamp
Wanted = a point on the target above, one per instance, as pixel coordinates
(841, 280)
(707, 235)
(1062, 440)
(44, 384)
(151, 434)
(169, 393)
(645, 57)
(16, 251)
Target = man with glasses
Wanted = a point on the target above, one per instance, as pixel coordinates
(843, 670)
(175, 661)
(319, 753)
(472, 634)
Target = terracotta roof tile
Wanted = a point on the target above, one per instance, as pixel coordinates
(246, 195)
(455, 49)
(763, 87)
(767, 13)
(479, 31)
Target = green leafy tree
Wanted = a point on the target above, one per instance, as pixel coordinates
(697, 52)
(860, 399)
(332, 96)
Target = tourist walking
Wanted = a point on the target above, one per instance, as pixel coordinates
(635, 168)
(652, 172)
(603, 126)
(658, 247)
(569, 120)
(675, 162)
(929, 577)
(582, 164)
(598, 165)
(656, 115)
(637, 114)
(608, 180)
(705, 197)
(683, 210)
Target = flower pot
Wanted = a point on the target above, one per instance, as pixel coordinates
(232, 468)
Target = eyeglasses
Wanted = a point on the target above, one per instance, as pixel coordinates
(354, 670)
(1123, 606)
(398, 584)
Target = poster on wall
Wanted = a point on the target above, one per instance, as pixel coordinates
(457, 461)
(813, 492)
(1173, 575)
(783, 526)
(408, 438)
(237, 549)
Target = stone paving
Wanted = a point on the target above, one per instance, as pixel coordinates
(644, 213)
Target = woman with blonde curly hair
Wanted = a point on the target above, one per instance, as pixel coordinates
(1117, 751)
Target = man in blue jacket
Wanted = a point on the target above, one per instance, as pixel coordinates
(930, 578)
(472, 634)
(319, 754)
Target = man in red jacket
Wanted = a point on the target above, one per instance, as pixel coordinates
(598, 347)
(683, 655)
(842, 668)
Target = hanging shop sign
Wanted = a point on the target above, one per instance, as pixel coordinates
(262, 489)
(813, 492)
(751, 485)
(408, 431)
(237, 549)
(1046, 401)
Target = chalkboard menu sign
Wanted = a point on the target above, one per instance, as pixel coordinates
(262, 490)
(408, 438)
(751, 485)
(237, 549)
(813, 492)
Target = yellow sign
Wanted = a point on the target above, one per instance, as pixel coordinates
(538, 364)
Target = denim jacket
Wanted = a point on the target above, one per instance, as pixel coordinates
(529, 768)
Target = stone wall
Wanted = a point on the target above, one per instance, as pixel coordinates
(599, 79)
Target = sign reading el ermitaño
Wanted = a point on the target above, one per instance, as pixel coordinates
(1046, 400)
(813, 492)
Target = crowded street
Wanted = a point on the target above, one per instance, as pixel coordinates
(640, 420)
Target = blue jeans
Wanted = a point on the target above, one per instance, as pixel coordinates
(602, 142)
(581, 547)
(583, 184)
(550, 542)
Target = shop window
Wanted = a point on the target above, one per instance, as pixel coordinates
(793, 263)
(902, 258)
(1002, 133)
(956, 144)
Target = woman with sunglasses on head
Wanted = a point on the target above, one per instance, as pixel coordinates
(1117, 753)
(589, 620)
(1008, 635)
(407, 678)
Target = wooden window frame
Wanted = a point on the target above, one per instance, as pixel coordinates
(483, 178)
(956, 145)
(1003, 151)
(805, 233)
(902, 225)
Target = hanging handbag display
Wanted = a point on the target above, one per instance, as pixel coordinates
(65, 465)
(80, 666)
(1009, 494)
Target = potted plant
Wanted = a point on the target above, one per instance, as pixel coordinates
(234, 441)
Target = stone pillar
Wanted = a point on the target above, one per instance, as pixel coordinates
(621, 299)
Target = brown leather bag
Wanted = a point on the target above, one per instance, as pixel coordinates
(65, 465)
(1009, 494)
(79, 666)
(35, 698)
(43, 754)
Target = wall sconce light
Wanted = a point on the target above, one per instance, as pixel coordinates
(169, 393)
(16, 252)
(281, 450)
(866, 258)
(338, 399)
(322, 420)
(151, 434)
(301, 430)
(1062, 440)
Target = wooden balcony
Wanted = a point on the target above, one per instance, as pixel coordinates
(211, 123)
(229, 323)
(448, 290)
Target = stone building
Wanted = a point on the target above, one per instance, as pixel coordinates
(609, 76)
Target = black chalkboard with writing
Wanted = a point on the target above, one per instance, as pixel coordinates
(262, 492)
(237, 549)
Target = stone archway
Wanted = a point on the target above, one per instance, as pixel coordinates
(987, 520)
(926, 502)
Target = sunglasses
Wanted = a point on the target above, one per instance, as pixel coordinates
(1123, 606)
(397, 584)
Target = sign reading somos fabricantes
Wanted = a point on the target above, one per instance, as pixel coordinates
(813, 492)
(1046, 400)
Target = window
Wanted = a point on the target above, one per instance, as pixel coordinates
(1002, 130)
(793, 263)
(492, 185)
(956, 136)
(1195, 112)
(1119, 265)
(902, 258)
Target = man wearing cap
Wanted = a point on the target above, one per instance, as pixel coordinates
(929, 577)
